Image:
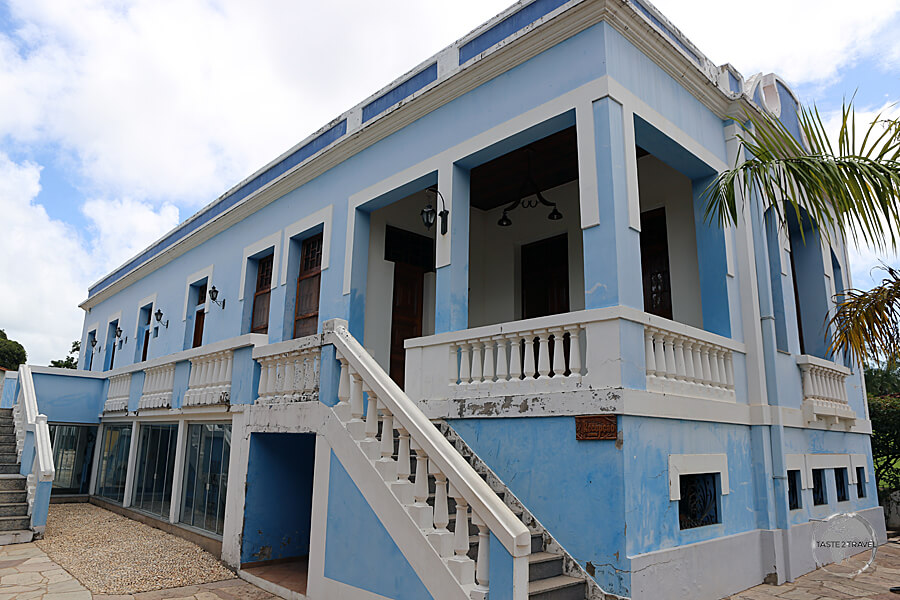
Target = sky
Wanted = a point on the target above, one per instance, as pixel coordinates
(119, 119)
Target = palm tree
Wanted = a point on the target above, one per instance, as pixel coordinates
(851, 190)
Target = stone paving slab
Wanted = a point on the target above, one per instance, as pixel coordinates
(873, 584)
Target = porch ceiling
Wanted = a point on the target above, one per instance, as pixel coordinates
(553, 162)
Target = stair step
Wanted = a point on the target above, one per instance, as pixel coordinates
(13, 497)
(7, 429)
(8, 438)
(537, 542)
(17, 536)
(9, 458)
(544, 565)
(561, 587)
(8, 446)
(14, 523)
(12, 469)
(12, 482)
(18, 509)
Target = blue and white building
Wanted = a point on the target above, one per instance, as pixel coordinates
(570, 385)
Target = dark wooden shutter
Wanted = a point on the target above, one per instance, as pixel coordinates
(306, 311)
(199, 317)
(260, 319)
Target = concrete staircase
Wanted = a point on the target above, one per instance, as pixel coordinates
(15, 522)
(552, 573)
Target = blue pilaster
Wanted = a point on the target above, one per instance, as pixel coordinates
(452, 280)
(612, 256)
(712, 263)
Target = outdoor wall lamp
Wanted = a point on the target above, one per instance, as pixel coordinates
(213, 294)
(159, 315)
(429, 213)
(118, 332)
(93, 343)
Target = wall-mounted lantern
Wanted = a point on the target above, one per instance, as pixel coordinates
(429, 213)
(213, 294)
(159, 315)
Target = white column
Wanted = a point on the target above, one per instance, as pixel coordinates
(236, 494)
(132, 463)
(178, 472)
(95, 460)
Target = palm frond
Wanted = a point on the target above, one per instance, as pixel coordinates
(865, 323)
(853, 191)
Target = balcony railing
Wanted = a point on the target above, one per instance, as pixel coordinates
(117, 394)
(289, 371)
(158, 382)
(824, 391)
(567, 352)
(210, 379)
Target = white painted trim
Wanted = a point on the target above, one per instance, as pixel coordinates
(316, 582)
(178, 472)
(588, 194)
(859, 460)
(116, 316)
(443, 243)
(132, 464)
(797, 462)
(729, 251)
(151, 300)
(692, 464)
(95, 460)
(323, 216)
(235, 496)
(829, 461)
(191, 279)
(270, 241)
(631, 170)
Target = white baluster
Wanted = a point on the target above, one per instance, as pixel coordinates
(689, 361)
(680, 368)
(477, 363)
(461, 565)
(420, 511)
(529, 370)
(372, 416)
(544, 355)
(488, 361)
(669, 349)
(515, 360)
(574, 352)
(659, 351)
(465, 376)
(704, 359)
(386, 465)
(723, 377)
(649, 354)
(729, 371)
(559, 353)
(454, 364)
(263, 377)
(482, 563)
(502, 370)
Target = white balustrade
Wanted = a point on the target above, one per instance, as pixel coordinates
(158, 383)
(26, 418)
(824, 391)
(210, 379)
(367, 398)
(289, 371)
(688, 365)
(117, 394)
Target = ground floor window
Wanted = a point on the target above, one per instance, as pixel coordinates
(794, 490)
(73, 447)
(860, 482)
(114, 462)
(840, 484)
(155, 468)
(699, 503)
(206, 476)
(820, 496)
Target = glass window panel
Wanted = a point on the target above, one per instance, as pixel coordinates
(699, 504)
(114, 462)
(860, 482)
(206, 476)
(155, 462)
(820, 496)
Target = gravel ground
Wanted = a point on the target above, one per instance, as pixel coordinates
(111, 554)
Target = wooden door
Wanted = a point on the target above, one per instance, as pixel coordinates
(545, 277)
(306, 309)
(655, 263)
(406, 314)
(259, 321)
(199, 317)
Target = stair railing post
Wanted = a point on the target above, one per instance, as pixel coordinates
(482, 563)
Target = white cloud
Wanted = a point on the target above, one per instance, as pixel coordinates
(804, 41)
(44, 268)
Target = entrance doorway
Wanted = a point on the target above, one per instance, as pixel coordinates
(655, 264)
(412, 255)
(545, 277)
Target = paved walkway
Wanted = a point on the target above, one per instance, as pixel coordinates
(27, 573)
(819, 585)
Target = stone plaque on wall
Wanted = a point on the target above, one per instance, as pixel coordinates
(596, 427)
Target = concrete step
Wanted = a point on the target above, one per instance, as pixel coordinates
(561, 587)
(12, 482)
(9, 469)
(9, 458)
(13, 497)
(18, 536)
(14, 523)
(8, 438)
(6, 412)
(8, 447)
(18, 509)
(9, 429)
(544, 565)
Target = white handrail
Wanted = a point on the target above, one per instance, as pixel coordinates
(30, 420)
(484, 502)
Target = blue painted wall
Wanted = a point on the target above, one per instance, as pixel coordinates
(538, 458)
(69, 399)
(358, 549)
(278, 505)
(651, 517)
